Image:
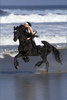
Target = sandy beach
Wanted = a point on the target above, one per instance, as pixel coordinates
(33, 87)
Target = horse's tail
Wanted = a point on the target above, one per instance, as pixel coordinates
(56, 54)
(55, 51)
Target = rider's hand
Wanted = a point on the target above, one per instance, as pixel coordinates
(28, 38)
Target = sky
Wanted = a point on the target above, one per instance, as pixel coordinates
(33, 2)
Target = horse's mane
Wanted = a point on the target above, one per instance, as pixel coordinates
(21, 27)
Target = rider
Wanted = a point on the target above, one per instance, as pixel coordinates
(30, 31)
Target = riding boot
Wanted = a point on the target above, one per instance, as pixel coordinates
(33, 43)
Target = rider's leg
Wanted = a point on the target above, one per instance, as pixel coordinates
(33, 43)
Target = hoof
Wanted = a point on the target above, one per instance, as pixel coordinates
(16, 67)
(26, 59)
(16, 64)
(36, 65)
(42, 71)
(46, 70)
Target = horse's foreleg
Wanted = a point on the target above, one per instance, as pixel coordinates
(16, 64)
(26, 59)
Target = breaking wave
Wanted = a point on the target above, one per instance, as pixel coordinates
(33, 18)
(22, 15)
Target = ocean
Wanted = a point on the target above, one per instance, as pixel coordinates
(50, 22)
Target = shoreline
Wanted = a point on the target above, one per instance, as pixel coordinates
(7, 66)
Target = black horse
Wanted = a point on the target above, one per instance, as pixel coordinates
(26, 48)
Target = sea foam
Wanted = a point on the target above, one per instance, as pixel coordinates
(36, 18)
(51, 39)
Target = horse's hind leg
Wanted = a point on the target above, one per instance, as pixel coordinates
(45, 61)
(39, 63)
(16, 64)
(47, 65)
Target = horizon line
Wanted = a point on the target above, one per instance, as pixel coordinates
(33, 5)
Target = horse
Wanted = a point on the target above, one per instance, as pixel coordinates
(26, 48)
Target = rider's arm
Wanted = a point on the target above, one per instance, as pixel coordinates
(28, 38)
(30, 31)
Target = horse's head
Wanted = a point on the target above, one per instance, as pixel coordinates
(18, 31)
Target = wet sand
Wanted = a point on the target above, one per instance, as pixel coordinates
(33, 87)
